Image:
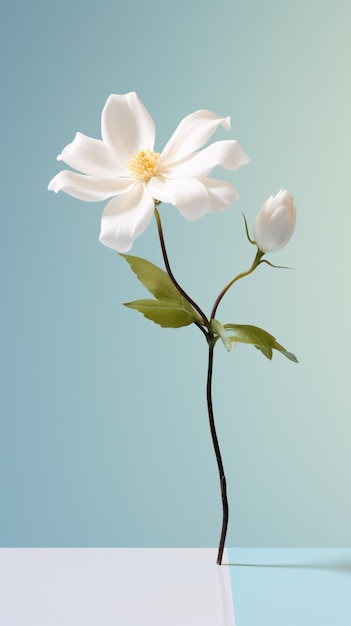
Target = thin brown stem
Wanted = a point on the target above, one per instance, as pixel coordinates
(170, 274)
(256, 262)
(218, 455)
(207, 331)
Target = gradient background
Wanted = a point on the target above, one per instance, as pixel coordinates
(104, 438)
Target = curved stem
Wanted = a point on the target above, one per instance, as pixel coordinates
(211, 343)
(170, 274)
(256, 262)
(218, 455)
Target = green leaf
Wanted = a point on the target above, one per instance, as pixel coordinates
(166, 313)
(155, 280)
(263, 341)
(222, 333)
(159, 284)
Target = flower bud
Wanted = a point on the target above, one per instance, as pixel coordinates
(275, 223)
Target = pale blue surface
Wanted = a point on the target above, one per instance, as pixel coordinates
(104, 439)
(286, 587)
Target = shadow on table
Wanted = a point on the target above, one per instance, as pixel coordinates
(342, 566)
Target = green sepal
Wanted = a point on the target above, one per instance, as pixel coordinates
(263, 341)
(166, 313)
(266, 350)
(170, 309)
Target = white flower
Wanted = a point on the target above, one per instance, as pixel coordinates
(275, 223)
(124, 167)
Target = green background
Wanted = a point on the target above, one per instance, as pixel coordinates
(104, 437)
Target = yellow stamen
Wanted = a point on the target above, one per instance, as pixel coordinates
(143, 165)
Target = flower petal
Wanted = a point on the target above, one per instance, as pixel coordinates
(90, 156)
(221, 193)
(275, 223)
(191, 134)
(227, 153)
(189, 195)
(126, 126)
(126, 217)
(89, 188)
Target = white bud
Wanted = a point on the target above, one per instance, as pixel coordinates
(275, 223)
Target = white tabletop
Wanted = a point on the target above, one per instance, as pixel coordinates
(105, 587)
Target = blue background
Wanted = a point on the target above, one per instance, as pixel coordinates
(104, 438)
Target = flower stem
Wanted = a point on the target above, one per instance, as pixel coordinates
(256, 262)
(170, 274)
(218, 455)
(211, 344)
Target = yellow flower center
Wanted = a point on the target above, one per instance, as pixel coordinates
(143, 165)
